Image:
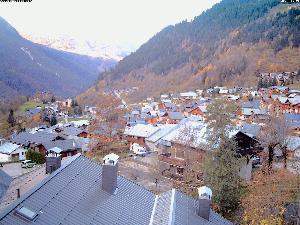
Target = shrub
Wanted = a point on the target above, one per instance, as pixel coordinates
(36, 157)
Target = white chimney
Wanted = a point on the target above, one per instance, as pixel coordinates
(205, 196)
(110, 173)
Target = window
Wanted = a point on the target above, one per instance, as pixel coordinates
(26, 212)
(179, 153)
(179, 170)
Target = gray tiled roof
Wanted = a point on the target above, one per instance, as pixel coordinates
(73, 195)
(176, 115)
(186, 212)
(72, 131)
(250, 129)
(162, 208)
(293, 117)
(38, 137)
(5, 181)
(64, 145)
(251, 104)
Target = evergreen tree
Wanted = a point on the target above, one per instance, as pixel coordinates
(274, 81)
(259, 84)
(53, 120)
(223, 164)
(53, 98)
(222, 175)
(11, 119)
(74, 103)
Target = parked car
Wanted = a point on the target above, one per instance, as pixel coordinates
(138, 149)
(27, 164)
(256, 161)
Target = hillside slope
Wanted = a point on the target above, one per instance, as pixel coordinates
(225, 45)
(26, 67)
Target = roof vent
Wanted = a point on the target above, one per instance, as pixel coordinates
(26, 213)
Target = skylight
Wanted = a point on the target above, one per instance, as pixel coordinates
(26, 212)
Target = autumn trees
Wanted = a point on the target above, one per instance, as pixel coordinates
(267, 197)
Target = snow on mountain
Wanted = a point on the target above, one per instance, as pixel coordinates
(83, 47)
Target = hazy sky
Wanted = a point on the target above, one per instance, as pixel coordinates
(123, 22)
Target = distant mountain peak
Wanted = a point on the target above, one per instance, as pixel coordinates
(84, 47)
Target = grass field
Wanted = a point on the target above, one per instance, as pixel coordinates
(70, 119)
(295, 85)
(29, 105)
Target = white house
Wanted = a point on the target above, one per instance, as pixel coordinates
(11, 152)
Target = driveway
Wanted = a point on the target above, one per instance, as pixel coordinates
(15, 170)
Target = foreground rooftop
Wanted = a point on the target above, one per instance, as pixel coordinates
(73, 195)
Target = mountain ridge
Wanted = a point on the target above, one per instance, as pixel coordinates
(27, 67)
(226, 45)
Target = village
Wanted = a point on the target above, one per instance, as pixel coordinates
(161, 142)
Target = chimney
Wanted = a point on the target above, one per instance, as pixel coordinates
(110, 173)
(53, 162)
(205, 195)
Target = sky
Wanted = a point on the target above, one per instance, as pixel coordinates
(116, 22)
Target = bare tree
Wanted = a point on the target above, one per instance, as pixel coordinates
(156, 173)
(275, 134)
(283, 138)
(134, 172)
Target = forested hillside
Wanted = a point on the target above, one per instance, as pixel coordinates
(225, 45)
(26, 67)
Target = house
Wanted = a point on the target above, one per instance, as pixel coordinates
(36, 140)
(198, 111)
(251, 104)
(246, 138)
(12, 152)
(185, 143)
(189, 95)
(251, 111)
(153, 140)
(33, 112)
(63, 147)
(293, 147)
(80, 123)
(67, 103)
(139, 132)
(74, 132)
(81, 191)
(223, 91)
(174, 117)
(252, 114)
